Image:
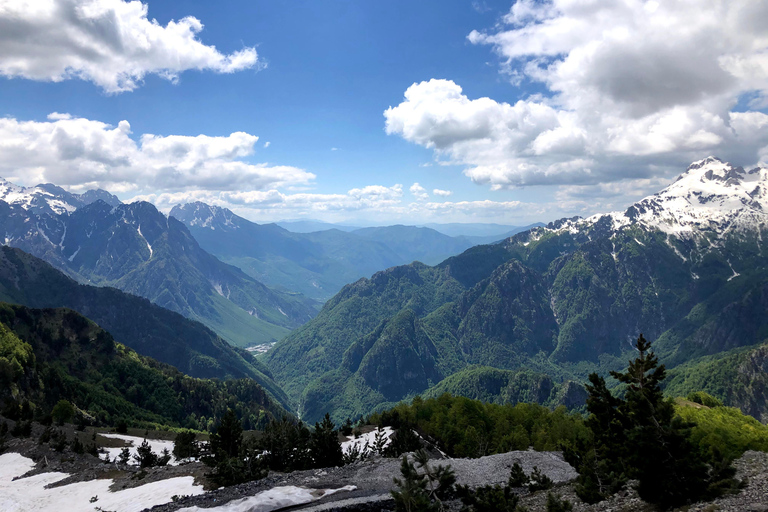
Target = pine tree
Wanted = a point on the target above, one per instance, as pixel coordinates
(325, 445)
(423, 491)
(669, 468)
(228, 438)
(640, 437)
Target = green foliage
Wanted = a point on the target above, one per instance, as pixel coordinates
(149, 329)
(538, 481)
(700, 397)
(641, 437)
(422, 488)
(490, 498)
(556, 504)
(145, 456)
(404, 440)
(62, 412)
(517, 477)
(185, 446)
(125, 456)
(77, 445)
(233, 460)
(324, 444)
(70, 359)
(285, 444)
(500, 386)
(724, 429)
(469, 428)
(319, 346)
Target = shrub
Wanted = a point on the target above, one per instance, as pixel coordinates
(185, 446)
(556, 504)
(62, 412)
(145, 456)
(539, 481)
(425, 491)
(700, 397)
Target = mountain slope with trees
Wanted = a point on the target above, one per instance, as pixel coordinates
(135, 322)
(686, 266)
(49, 355)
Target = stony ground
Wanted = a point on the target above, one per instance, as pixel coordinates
(373, 481)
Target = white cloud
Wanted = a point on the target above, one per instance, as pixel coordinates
(419, 192)
(370, 204)
(80, 153)
(442, 193)
(111, 43)
(267, 144)
(628, 83)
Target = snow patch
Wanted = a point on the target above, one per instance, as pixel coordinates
(145, 241)
(220, 290)
(273, 499)
(735, 274)
(71, 258)
(368, 438)
(157, 445)
(30, 493)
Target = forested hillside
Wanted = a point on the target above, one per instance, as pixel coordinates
(48, 355)
(686, 267)
(135, 322)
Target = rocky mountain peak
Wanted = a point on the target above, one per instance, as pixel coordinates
(711, 196)
(206, 216)
(49, 198)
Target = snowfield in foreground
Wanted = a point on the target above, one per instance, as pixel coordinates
(27, 494)
(273, 499)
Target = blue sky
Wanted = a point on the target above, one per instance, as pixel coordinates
(521, 111)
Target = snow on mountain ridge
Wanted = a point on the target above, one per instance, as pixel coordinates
(205, 216)
(711, 196)
(49, 198)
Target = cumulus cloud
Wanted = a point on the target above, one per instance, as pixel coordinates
(111, 43)
(626, 84)
(442, 193)
(419, 192)
(80, 153)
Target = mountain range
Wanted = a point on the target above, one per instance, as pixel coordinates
(686, 267)
(318, 263)
(137, 249)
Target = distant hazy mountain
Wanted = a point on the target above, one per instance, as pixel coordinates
(687, 267)
(475, 229)
(316, 264)
(310, 226)
(139, 250)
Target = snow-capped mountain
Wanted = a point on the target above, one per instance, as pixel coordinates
(48, 198)
(711, 197)
(203, 215)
